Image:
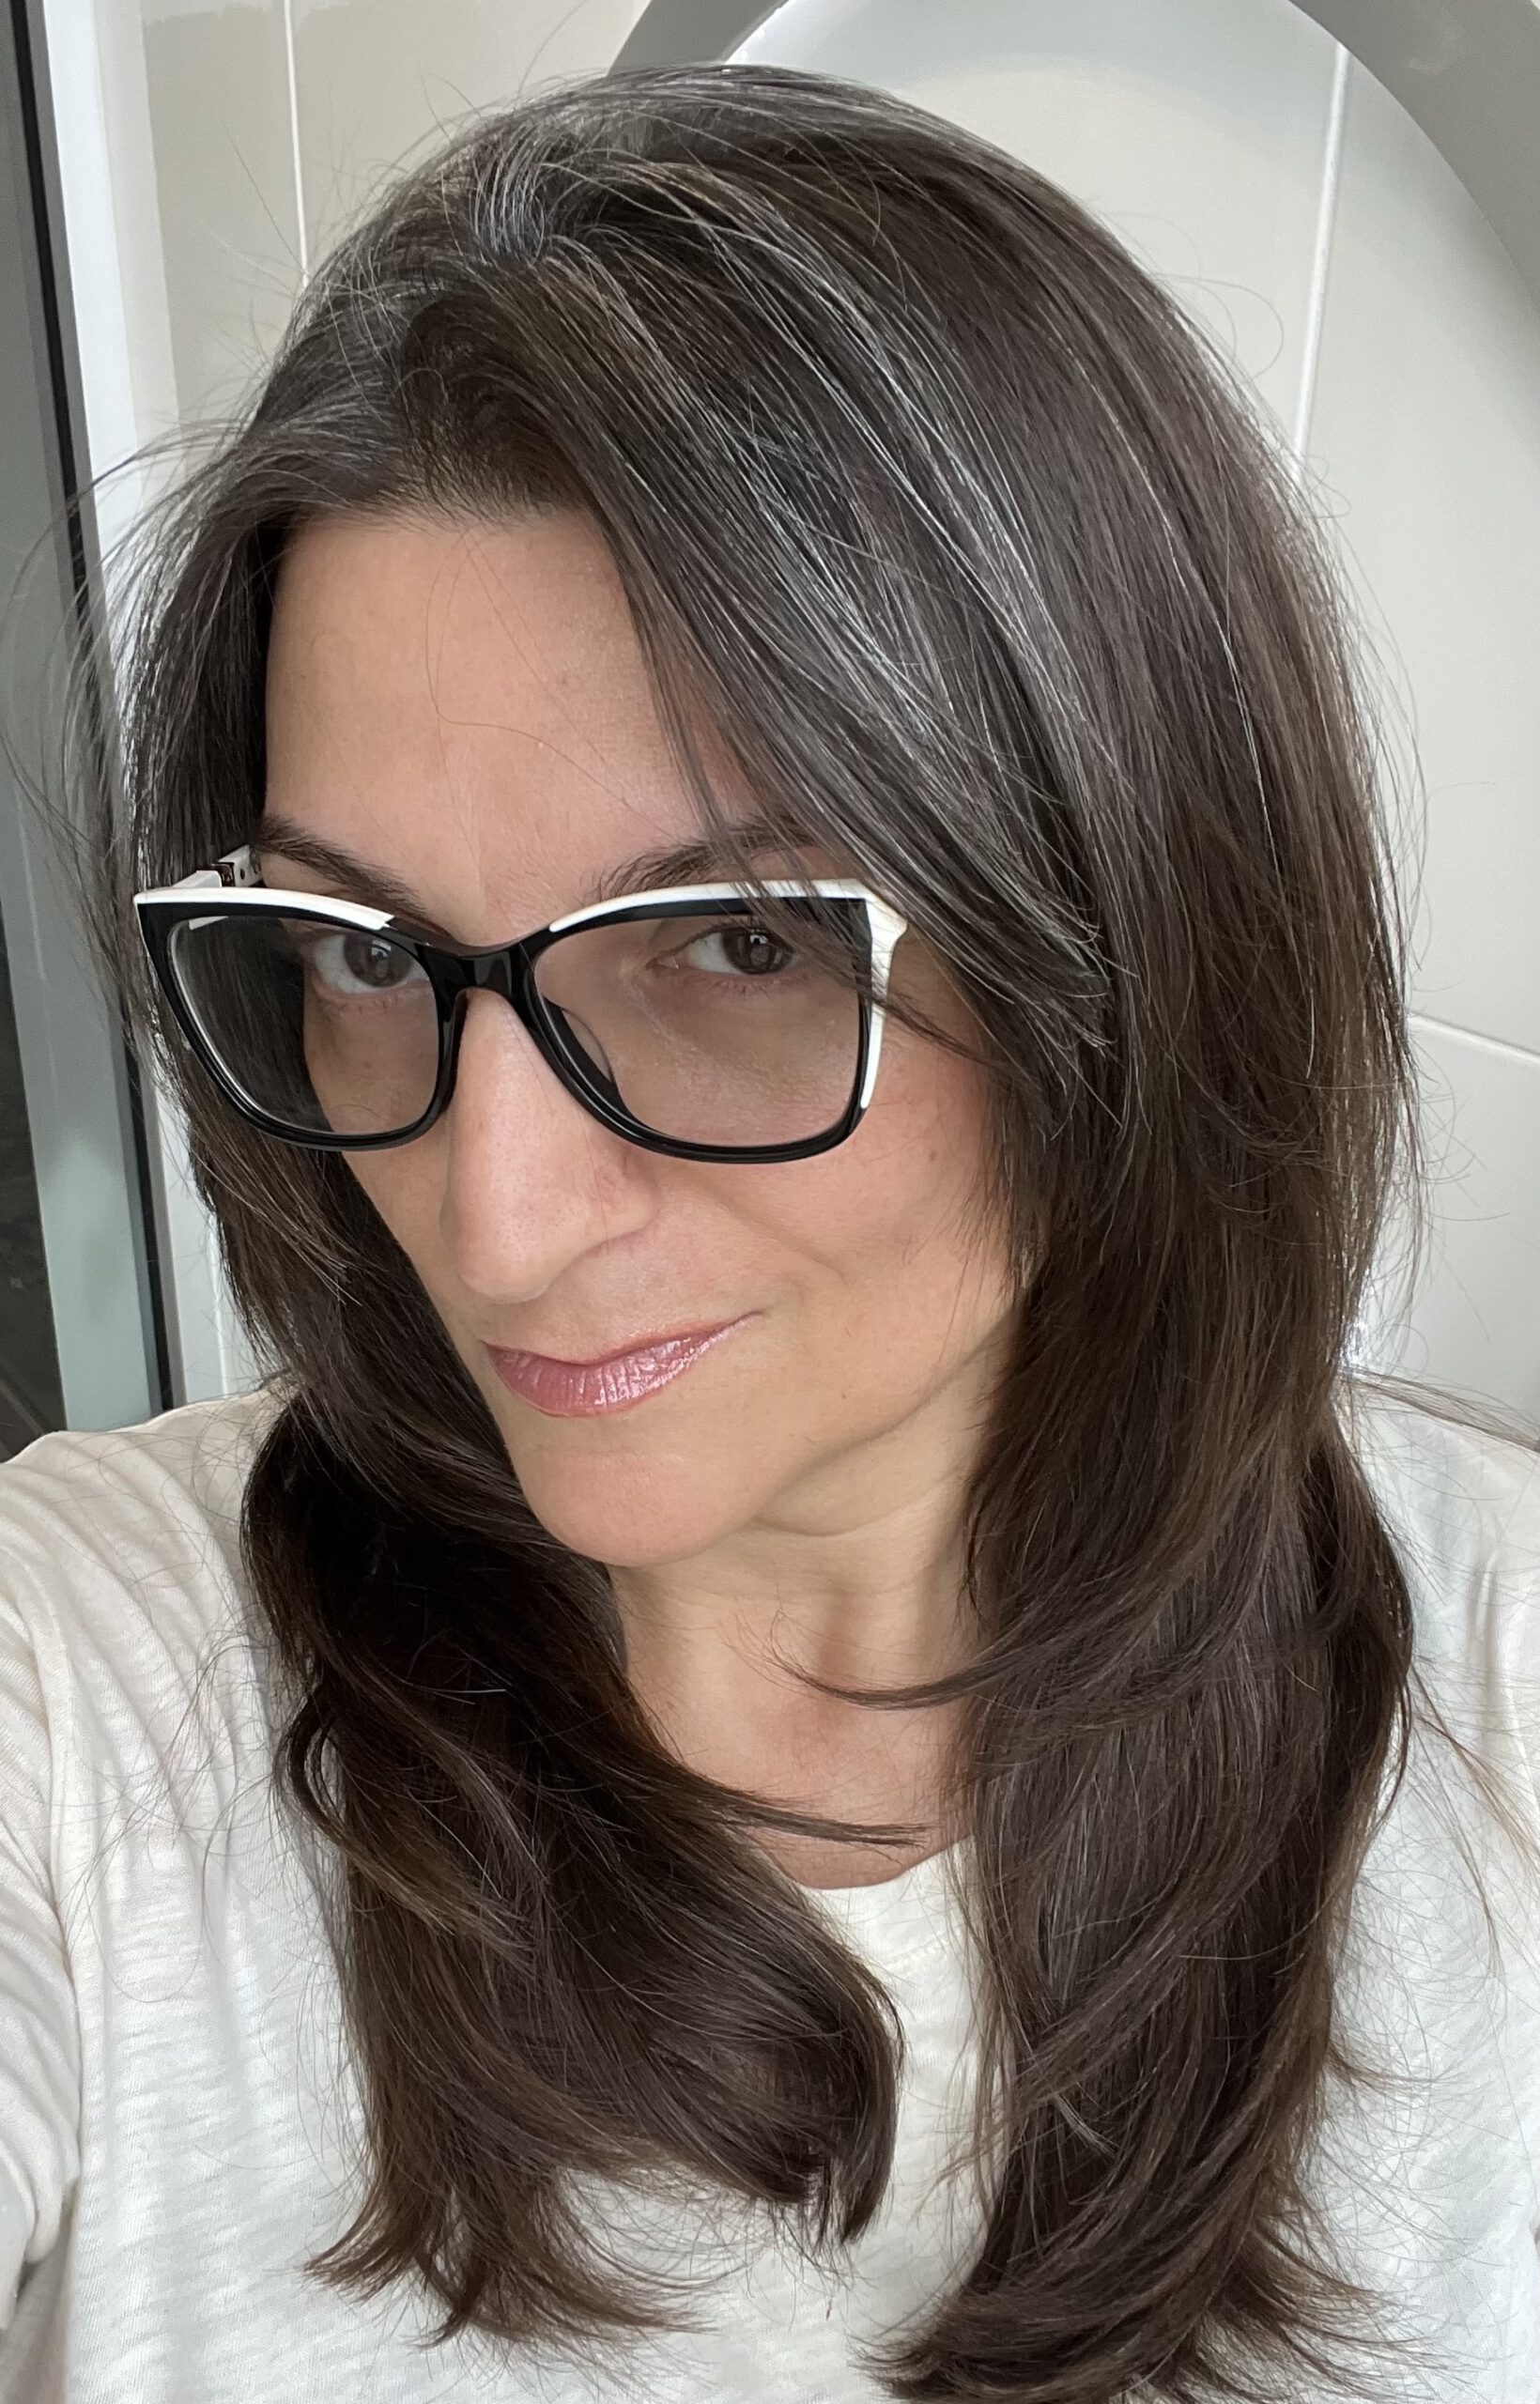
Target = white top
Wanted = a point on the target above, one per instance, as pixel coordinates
(179, 2122)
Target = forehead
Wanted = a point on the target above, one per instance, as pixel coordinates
(469, 703)
(520, 613)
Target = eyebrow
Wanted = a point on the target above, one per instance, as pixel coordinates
(688, 863)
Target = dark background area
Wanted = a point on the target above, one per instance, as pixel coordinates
(30, 1399)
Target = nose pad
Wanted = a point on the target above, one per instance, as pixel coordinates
(583, 1039)
(575, 1039)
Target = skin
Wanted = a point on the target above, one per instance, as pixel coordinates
(466, 704)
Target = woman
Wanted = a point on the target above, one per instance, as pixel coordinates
(965, 1836)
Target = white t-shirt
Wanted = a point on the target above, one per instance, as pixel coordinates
(178, 2122)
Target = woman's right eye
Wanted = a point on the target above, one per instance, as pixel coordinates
(354, 963)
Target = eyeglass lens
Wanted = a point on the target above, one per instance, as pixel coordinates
(707, 1029)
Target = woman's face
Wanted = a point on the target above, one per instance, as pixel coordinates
(464, 705)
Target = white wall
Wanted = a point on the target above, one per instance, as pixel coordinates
(1291, 204)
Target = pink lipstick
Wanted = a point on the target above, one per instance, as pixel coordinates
(585, 1389)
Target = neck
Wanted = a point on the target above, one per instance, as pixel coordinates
(712, 1647)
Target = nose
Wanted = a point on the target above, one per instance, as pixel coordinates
(532, 1179)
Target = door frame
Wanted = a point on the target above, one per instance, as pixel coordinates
(91, 1156)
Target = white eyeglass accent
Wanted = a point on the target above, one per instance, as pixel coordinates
(243, 889)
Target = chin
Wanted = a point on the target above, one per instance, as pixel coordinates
(637, 1510)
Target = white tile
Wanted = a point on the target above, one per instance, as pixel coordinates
(1472, 1319)
(1426, 437)
(217, 84)
(1195, 127)
(379, 81)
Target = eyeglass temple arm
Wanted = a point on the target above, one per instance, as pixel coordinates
(231, 868)
(239, 867)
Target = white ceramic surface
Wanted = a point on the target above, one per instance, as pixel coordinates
(1196, 129)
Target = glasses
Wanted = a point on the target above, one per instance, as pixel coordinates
(678, 1019)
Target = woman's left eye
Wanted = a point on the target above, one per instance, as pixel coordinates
(744, 950)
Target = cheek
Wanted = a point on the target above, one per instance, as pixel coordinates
(405, 1187)
(887, 1244)
(925, 1137)
(899, 1217)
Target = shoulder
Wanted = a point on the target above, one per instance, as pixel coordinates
(1462, 1506)
(194, 1448)
(1462, 1500)
(121, 1546)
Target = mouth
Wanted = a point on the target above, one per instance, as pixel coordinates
(618, 1381)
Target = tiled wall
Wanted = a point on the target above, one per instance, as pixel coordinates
(1426, 426)
(1294, 207)
(272, 120)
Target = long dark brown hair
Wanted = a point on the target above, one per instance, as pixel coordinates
(976, 559)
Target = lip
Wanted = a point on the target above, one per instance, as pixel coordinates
(589, 1389)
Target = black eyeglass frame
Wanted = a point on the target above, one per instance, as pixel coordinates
(508, 970)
